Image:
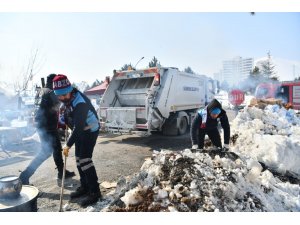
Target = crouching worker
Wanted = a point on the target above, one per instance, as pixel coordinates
(85, 129)
(206, 122)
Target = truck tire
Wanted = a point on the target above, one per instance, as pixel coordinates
(182, 126)
(176, 124)
(170, 126)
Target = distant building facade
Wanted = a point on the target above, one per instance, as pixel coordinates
(219, 76)
(235, 70)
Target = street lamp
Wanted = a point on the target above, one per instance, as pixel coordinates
(138, 62)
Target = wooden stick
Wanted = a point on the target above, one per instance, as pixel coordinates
(62, 186)
(64, 174)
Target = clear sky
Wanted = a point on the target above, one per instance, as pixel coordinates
(89, 46)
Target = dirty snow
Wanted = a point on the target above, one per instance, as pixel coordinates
(259, 174)
(186, 181)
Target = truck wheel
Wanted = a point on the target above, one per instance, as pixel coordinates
(170, 126)
(182, 125)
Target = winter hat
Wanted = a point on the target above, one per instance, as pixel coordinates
(215, 111)
(61, 85)
(49, 82)
(214, 104)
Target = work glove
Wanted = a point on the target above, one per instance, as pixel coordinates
(66, 149)
(195, 147)
(226, 147)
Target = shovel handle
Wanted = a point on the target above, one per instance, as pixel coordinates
(62, 186)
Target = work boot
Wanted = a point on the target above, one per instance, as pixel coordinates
(67, 175)
(90, 199)
(80, 191)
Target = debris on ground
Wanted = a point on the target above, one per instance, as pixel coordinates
(190, 182)
(108, 185)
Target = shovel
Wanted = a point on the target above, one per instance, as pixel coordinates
(62, 186)
(63, 177)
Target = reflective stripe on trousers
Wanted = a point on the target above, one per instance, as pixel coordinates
(85, 163)
(84, 147)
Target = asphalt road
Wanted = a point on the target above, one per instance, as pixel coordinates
(114, 156)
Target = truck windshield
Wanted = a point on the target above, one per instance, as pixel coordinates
(261, 92)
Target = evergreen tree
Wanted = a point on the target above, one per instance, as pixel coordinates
(95, 83)
(253, 80)
(189, 70)
(127, 67)
(154, 62)
(268, 69)
(255, 73)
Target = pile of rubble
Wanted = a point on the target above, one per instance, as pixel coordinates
(263, 103)
(260, 173)
(207, 181)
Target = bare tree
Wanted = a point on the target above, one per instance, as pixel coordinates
(33, 66)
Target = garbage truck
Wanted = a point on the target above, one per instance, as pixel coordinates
(154, 99)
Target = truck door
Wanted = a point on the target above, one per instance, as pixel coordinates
(296, 96)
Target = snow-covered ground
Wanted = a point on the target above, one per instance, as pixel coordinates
(271, 136)
(259, 174)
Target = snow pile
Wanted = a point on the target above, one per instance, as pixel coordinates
(271, 136)
(260, 173)
(207, 181)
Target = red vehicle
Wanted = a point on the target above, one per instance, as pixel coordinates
(288, 91)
